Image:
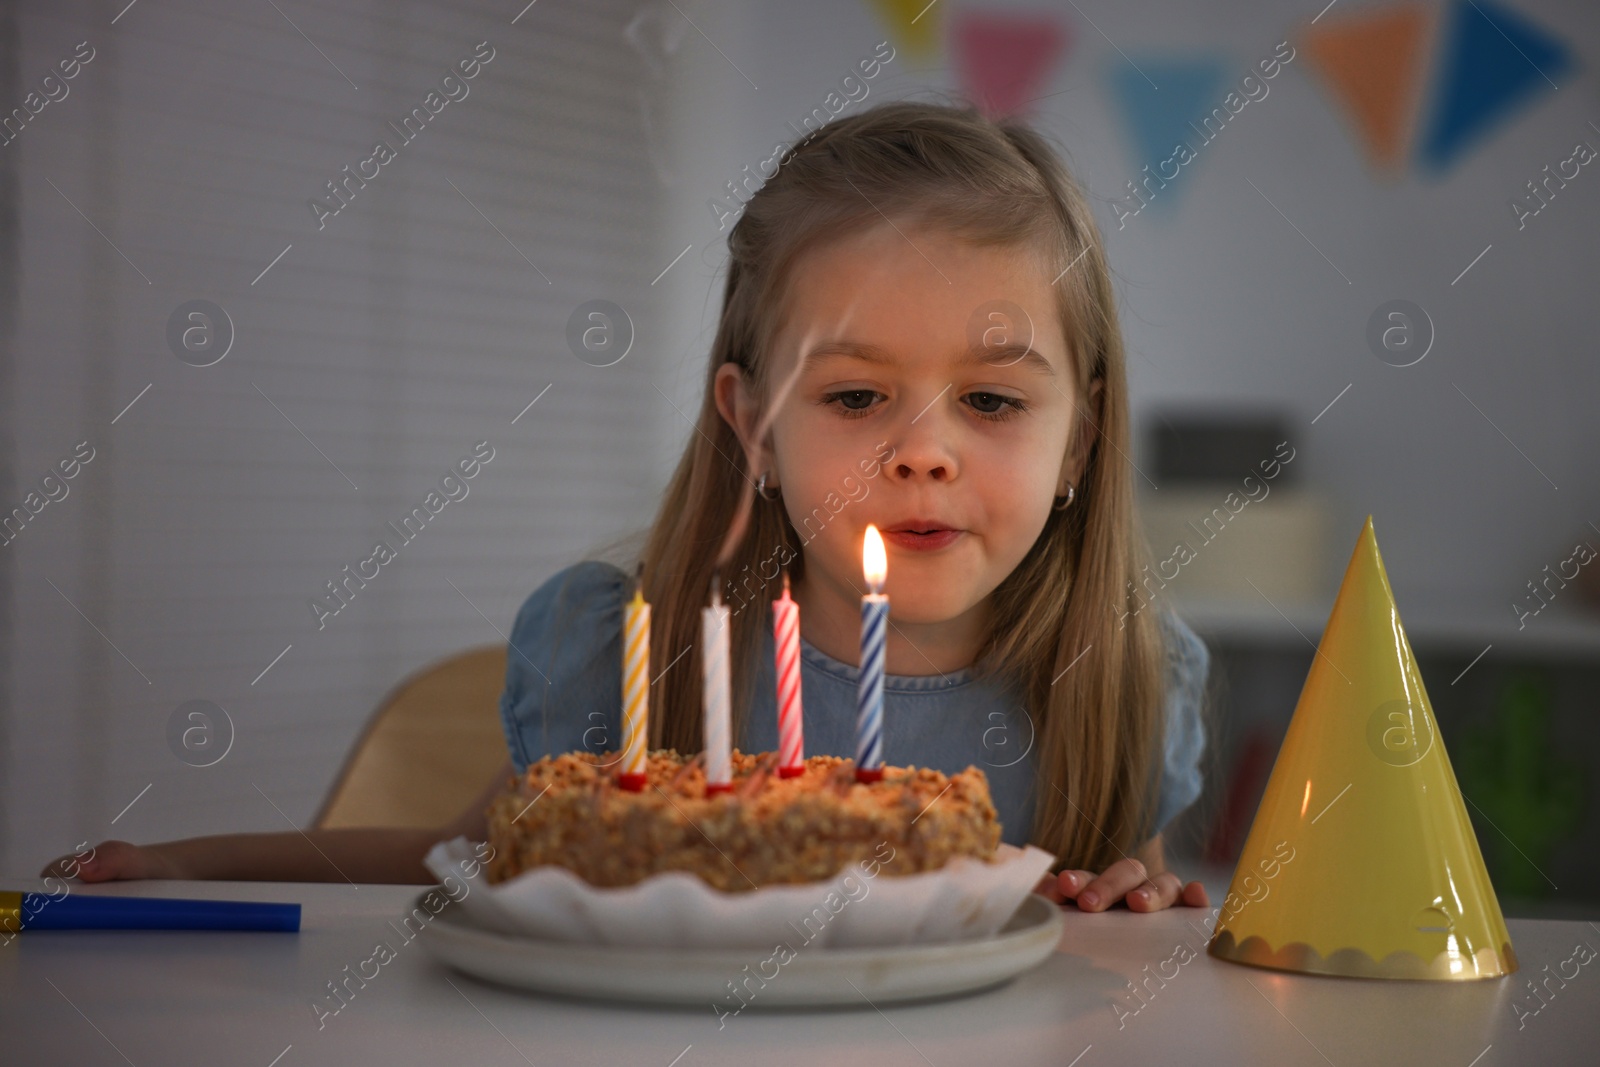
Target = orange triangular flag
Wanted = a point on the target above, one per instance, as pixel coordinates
(1361, 860)
(1371, 64)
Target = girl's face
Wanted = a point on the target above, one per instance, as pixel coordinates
(917, 410)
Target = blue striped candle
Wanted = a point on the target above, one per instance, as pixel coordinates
(869, 685)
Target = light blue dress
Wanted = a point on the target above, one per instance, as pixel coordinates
(564, 692)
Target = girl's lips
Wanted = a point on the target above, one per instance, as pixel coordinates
(922, 542)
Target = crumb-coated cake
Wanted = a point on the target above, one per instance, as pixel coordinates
(568, 810)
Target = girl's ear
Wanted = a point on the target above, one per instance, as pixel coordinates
(1086, 430)
(738, 409)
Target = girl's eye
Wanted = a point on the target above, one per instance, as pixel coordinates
(852, 401)
(995, 406)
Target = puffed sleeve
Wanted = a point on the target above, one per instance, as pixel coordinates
(1187, 665)
(563, 666)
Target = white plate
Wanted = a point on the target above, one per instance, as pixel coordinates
(963, 900)
(813, 976)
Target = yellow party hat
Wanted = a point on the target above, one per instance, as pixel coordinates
(1361, 860)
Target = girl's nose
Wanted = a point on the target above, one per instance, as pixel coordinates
(924, 449)
(906, 471)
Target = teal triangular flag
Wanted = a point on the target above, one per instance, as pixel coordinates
(1494, 61)
(1165, 102)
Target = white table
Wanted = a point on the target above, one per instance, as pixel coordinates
(118, 997)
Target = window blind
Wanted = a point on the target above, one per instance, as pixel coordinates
(373, 350)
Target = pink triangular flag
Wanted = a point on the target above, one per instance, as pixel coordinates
(1004, 59)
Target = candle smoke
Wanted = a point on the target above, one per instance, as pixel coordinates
(747, 496)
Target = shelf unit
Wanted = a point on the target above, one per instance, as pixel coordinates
(1554, 634)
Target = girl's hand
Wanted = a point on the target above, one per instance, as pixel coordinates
(114, 861)
(1124, 880)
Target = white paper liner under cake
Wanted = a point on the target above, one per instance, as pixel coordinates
(965, 899)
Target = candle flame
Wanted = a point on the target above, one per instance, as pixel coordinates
(874, 561)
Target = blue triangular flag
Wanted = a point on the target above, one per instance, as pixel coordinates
(1164, 102)
(1494, 60)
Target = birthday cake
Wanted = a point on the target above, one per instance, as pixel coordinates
(569, 811)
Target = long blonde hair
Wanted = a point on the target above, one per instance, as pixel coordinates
(1096, 726)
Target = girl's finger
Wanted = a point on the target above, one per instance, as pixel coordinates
(1194, 896)
(1113, 885)
(1163, 890)
(1071, 883)
(108, 864)
(1050, 887)
(107, 861)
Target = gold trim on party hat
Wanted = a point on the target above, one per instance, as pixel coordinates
(1361, 860)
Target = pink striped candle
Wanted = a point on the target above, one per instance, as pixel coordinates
(786, 643)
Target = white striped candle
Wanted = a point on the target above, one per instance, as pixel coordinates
(869, 686)
(786, 645)
(718, 698)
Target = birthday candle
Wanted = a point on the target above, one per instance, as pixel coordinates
(635, 689)
(786, 642)
(714, 641)
(869, 687)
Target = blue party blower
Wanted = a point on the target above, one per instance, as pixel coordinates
(41, 911)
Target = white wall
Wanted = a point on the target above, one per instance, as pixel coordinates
(1225, 305)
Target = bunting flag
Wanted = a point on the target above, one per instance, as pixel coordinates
(1494, 61)
(1162, 102)
(1004, 60)
(1371, 64)
(913, 24)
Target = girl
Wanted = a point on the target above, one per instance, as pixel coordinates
(917, 332)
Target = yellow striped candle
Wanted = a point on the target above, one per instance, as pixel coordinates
(635, 689)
